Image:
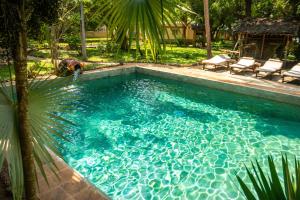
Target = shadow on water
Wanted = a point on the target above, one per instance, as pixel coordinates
(274, 126)
(99, 141)
(177, 110)
(95, 139)
(227, 100)
(91, 139)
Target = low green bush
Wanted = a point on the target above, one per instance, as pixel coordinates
(73, 41)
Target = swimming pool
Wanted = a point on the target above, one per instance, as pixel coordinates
(143, 137)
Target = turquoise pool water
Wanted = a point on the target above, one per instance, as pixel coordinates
(141, 137)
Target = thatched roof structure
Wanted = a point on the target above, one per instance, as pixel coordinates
(263, 26)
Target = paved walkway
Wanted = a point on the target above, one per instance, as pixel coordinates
(71, 186)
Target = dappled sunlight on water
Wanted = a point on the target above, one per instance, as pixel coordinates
(143, 137)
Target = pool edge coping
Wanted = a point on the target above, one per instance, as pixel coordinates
(247, 88)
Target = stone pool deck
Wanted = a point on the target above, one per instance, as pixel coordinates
(72, 186)
(247, 79)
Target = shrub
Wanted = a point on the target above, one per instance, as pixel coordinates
(297, 52)
(73, 41)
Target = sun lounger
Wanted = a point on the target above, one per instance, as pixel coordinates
(219, 60)
(294, 72)
(243, 63)
(270, 67)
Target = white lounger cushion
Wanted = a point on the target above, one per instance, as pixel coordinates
(272, 65)
(243, 63)
(294, 72)
(217, 60)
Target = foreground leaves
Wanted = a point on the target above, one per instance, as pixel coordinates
(268, 185)
(47, 98)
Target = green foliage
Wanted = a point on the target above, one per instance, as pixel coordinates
(38, 14)
(39, 53)
(94, 14)
(46, 99)
(269, 186)
(297, 51)
(223, 14)
(276, 8)
(111, 47)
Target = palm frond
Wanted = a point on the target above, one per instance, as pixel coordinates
(47, 98)
(9, 143)
(139, 19)
(288, 185)
(269, 186)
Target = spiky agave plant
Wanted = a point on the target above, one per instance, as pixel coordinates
(140, 20)
(47, 97)
(269, 187)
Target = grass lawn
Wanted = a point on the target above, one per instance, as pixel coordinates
(101, 50)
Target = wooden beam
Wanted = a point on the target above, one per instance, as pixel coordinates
(262, 46)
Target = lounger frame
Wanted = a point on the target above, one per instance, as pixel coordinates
(270, 73)
(285, 75)
(253, 67)
(226, 64)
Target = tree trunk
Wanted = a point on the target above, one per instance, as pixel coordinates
(184, 31)
(5, 183)
(82, 30)
(207, 28)
(125, 45)
(20, 64)
(54, 46)
(248, 8)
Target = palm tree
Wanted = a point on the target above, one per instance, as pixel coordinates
(19, 52)
(140, 20)
(207, 28)
(28, 125)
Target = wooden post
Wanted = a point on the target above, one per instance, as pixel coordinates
(240, 44)
(262, 46)
(286, 49)
(82, 31)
